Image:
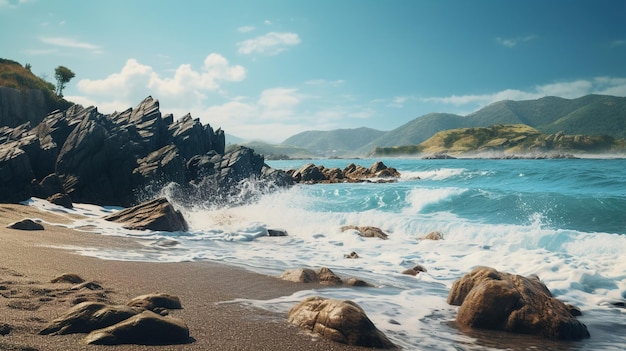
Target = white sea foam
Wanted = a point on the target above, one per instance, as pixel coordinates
(582, 268)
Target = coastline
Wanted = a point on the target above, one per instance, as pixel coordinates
(30, 259)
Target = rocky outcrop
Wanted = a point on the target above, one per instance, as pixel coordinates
(118, 158)
(19, 107)
(502, 301)
(341, 321)
(157, 214)
(312, 174)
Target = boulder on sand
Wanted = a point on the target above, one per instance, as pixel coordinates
(145, 328)
(157, 214)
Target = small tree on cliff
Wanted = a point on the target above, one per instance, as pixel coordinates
(63, 75)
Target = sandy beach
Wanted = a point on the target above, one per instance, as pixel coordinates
(29, 260)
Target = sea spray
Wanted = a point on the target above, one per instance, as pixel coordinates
(563, 220)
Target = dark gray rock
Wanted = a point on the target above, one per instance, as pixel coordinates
(16, 174)
(61, 200)
(18, 107)
(26, 224)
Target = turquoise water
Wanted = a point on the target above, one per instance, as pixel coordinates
(563, 220)
(578, 194)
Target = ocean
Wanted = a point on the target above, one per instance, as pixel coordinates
(561, 219)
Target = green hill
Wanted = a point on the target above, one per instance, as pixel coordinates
(507, 139)
(587, 115)
(271, 151)
(339, 142)
(19, 98)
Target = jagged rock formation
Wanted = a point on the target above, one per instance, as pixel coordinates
(118, 158)
(19, 107)
(157, 214)
(311, 174)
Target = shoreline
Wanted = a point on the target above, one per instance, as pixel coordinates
(30, 259)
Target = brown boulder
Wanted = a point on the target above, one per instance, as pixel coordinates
(434, 235)
(415, 270)
(155, 301)
(328, 277)
(494, 300)
(338, 320)
(300, 275)
(145, 328)
(157, 214)
(366, 231)
(88, 316)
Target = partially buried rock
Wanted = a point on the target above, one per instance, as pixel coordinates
(502, 301)
(71, 278)
(366, 231)
(156, 301)
(338, 320)
(328, 277)
(26, 224)
(157, 214)
(145, 328)
(88, 316)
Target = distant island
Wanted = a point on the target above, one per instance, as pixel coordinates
(502, 140)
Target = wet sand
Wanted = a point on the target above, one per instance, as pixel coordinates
(29, 260)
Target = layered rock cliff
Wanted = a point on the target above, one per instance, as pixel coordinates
(120, 158)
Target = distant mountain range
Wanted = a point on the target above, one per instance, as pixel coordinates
(587, 115)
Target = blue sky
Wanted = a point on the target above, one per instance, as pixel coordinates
(267, 70)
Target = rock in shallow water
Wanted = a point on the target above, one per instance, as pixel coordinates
(157, 214)
(338, 320)
(502, 301)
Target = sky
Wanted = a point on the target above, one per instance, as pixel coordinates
(267, 70)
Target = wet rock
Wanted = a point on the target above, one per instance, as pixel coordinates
(145, 328)
(351, 255)
(435, 235)
(276, 232)
(338, 320)
(415, 270)
(26, 224)
(502, 301)
(157, 214)
(366, 231)
(300, 275)
(61, 200)
(328, 277)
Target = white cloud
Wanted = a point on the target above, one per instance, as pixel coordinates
(569, 90)
(245, 29)
(512, 42)
(186, 88)
(69, 43)
(267, 22)
(271, 43)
